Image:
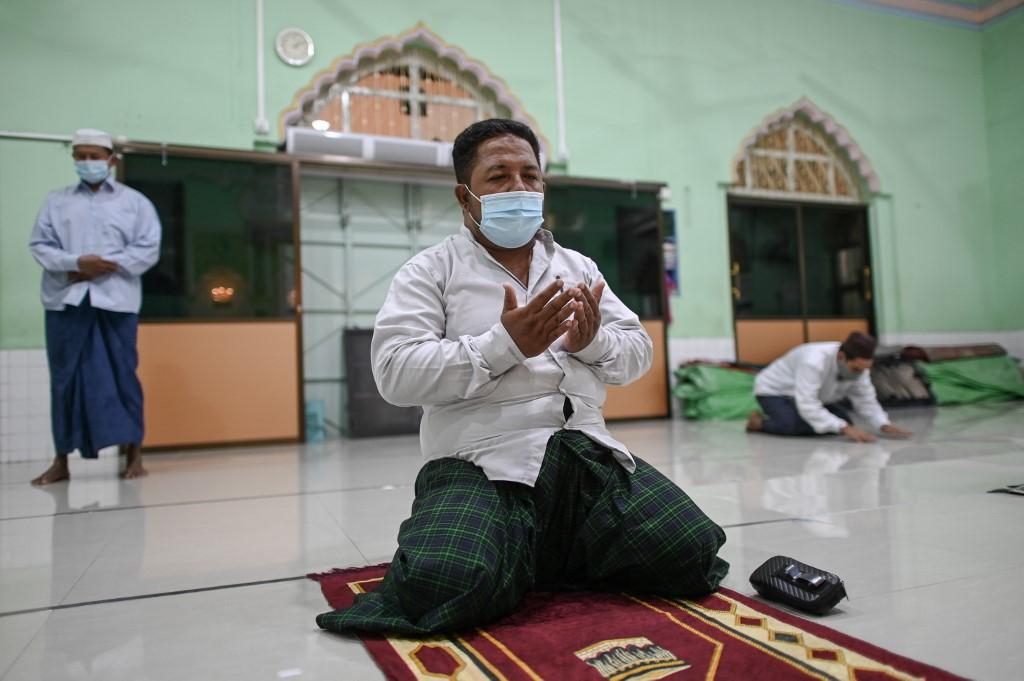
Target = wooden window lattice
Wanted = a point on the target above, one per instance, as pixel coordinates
(414, 94)
(793, 158)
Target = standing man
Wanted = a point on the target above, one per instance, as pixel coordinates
(507, 341)
(94, 240)
(805, 392)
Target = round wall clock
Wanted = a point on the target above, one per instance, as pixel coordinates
(294, 46)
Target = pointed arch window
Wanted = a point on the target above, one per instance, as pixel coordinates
(414, 94)
(413, 85)
(801, 153)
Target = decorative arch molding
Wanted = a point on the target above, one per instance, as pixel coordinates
(846, 150)
(418, 36)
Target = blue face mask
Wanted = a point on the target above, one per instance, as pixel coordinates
(510, 219)
(92, 172)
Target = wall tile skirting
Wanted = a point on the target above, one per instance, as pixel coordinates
(24, 406)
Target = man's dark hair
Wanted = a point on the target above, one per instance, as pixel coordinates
(858, 346)
(466, 144)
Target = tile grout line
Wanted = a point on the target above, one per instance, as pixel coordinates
(196, 502)
(924, 500)
(17, 657)
(179, 592)
(771, 521)
(337, 524)
(159, 594)
(259, 496)
(92, 562)
(939, 582)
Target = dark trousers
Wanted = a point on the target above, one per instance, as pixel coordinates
(782, 418)
(474, 547)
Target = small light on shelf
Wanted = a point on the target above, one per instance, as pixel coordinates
(222, 294)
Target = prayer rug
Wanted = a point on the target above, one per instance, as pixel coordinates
(587, 635)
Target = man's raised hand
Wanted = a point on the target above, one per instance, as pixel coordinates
(588, 318)
(536, 325)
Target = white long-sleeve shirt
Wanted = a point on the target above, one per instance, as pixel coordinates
(438, 342)
(809, 374)
(116, 223)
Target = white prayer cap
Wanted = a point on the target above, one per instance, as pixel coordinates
(92, 136)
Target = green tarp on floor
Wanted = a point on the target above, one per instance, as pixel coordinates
(711, 392)
(978, 379)
(715, 393)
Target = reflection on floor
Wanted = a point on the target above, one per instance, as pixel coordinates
(218, 540)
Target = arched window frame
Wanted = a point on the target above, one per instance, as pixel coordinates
(419, 64)
(845, 165)
(418, 49)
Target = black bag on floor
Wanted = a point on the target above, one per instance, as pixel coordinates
(798, 585)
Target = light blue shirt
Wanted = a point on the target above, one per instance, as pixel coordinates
(116, 223)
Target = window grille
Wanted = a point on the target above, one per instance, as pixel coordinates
(415, 94)
(792, 158)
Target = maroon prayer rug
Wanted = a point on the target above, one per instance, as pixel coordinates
(567, 636)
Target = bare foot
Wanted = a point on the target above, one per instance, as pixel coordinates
(57, 471)
(133, 468)
(754, 422)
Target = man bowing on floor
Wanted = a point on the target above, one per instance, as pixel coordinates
(810, 390)
(507, 340)
(94, 240)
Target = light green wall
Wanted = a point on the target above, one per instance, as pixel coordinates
(908, 91)
(656, 90)
(28, 171)
(1003, 53)
(144, 69)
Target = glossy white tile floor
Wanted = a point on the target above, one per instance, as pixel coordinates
(193, 572)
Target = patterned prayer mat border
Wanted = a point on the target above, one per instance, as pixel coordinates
(807, 649)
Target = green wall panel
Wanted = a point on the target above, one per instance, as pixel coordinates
(655, 90)
(28, 171)
(1003, 51)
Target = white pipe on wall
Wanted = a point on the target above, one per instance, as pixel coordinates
(36, 136)
(261, 123)
(563, 148)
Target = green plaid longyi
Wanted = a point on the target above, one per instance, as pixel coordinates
(473, 547)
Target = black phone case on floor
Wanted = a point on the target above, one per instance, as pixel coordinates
(798, 585)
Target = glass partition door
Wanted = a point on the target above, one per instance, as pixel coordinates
(219, 338)
(799, 273)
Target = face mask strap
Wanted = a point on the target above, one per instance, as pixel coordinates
(472, 194)
(478, 201)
